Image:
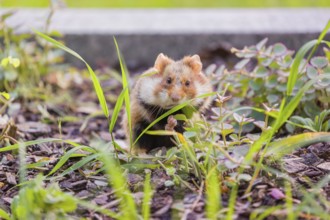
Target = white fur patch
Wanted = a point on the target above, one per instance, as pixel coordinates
(147, 89)
(201, 89)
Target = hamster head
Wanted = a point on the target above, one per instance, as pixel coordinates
(175, 82)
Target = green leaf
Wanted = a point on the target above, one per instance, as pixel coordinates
(188, 111)
(189, 134)
(261, 72)
(312, 72)
(272, 98)
(261, 44)
(319, 62)
(256, 84)
(241, 64)
(279, 49)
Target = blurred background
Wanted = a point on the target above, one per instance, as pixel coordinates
(144, 28)
(170, 3)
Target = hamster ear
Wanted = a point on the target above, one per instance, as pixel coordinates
(161, 62)
(194, 62)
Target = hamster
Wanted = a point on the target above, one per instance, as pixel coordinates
(167, 84)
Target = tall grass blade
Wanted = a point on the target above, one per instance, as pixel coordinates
(147, 197)
(79, 164)
(289, 202)
(28, 143)
(116, 110)
(125, 83)
(118, 182)
(64, 159)
(96, 83)
(287, 145)
(213, 194)
(22, 162)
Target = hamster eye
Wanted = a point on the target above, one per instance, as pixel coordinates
(187, 83)
(169, 80)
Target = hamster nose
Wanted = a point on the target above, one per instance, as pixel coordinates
(175, 97)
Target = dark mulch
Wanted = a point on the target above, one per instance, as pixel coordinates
(307, 165)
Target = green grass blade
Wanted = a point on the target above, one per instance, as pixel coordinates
(4, 215)
(147, 196)
(118, 182)
(96, 83)
(79, 164)
(288, 202)
(286, 112)
(116, 110)
(22, 162)
(287, 145)
(64, 159)
(294, 71)
(28, 143)
(125, 83)
(213, 194)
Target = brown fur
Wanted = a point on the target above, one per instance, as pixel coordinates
(173, 83)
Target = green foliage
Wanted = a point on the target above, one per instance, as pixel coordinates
(267, 74)
(118, 182)
(320, 123)
(36, 202)
(213, 194)
(147, 198)
(23, 62)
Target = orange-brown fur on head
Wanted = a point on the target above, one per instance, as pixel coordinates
(175, 82)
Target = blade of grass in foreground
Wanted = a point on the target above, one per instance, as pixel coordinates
(116, 110)
(286, 145)
(96, 83)
(212, 194)
(4, 214)
(118, 182)
(29, 143)
(147, 196)
(63, 159)
(124, 77)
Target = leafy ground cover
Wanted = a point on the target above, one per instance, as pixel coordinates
(261, 151)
